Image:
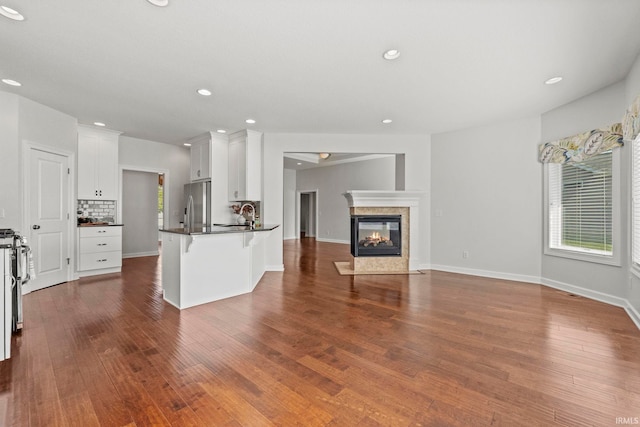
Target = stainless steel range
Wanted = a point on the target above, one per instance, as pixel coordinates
(16, 269)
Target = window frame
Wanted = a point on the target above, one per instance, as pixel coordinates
(633, 266)
(580, 255)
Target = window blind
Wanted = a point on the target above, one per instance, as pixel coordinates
(580, 205)
(635, 200)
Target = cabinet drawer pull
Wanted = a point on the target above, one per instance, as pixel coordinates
(102, 260)
(102, 244)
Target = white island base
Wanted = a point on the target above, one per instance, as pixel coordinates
(201, 268)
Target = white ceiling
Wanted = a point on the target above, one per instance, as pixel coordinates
(313, 66)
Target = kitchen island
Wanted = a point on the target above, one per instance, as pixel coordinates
(201, 265)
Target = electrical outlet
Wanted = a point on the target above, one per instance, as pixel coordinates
(438, 213)
(2, 214)
(465, 254)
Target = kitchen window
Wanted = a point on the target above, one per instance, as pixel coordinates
(582, 209)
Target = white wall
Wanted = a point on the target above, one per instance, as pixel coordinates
(632, 82)
(289, 205)
(139, 213)
(417, 163)
(46, 126)
(173, 161)
(22, 120)
(486, 200)
(332, 181)
(10, 200)
(400, 172)
(602, 108)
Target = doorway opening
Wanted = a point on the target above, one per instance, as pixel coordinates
(160, 203)
(144, 198)
(307, 214)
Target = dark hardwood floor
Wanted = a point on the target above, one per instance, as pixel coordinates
(310, 347)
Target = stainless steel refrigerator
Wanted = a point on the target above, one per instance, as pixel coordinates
(197, 204)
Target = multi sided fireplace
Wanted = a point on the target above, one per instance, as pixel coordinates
(376, 235)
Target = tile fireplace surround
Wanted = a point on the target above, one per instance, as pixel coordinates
(405, 203)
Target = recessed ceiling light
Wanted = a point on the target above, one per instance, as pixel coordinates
(204, 92)
(324, 156)
(11, 13)
(299, 164)
(160, 3)
(221, 131)
(387, 121)
(553, 80)
(391, 54)
(250, 121)
(11, 82)
(186, 144)
(99, 124)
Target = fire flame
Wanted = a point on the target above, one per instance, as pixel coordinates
(374, 239)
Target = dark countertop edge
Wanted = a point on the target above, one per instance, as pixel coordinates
(99, 225)
(220, 230)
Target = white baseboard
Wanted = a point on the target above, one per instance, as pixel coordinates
(289, 238)
(487, 273)
(587, 293)
(169, 302)
(277, 267)
(88, 273)
(343, 242)
(633, 314)
(140, 254)
(598, 296)
(577, 290)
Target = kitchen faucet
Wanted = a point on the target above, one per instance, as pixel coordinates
(252, 221)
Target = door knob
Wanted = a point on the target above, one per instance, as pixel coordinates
(36, 227)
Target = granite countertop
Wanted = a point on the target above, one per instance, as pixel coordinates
(99, 224)
(220, 229)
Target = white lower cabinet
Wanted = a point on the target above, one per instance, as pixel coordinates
(100, 250)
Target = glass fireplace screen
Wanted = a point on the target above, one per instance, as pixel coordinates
(376, 235)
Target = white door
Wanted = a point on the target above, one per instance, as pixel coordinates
(48, 191)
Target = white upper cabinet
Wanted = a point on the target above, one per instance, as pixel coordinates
(245, 166)
(97, 163)
(200, 157)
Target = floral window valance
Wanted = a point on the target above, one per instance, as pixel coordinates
(580, 147)
(631, 121)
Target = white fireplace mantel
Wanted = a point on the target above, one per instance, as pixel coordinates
(375, 198)
(383, 199)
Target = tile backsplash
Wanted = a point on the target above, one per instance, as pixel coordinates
(103, 210)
